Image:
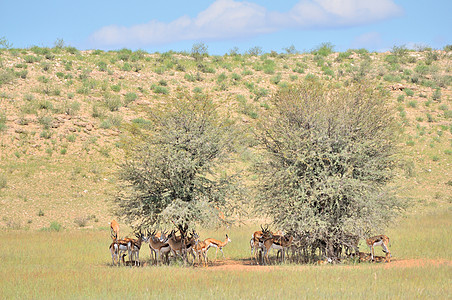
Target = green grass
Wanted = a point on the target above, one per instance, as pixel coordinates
(77, 264)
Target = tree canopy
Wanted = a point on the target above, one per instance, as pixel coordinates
(328, 156)
(172, 173)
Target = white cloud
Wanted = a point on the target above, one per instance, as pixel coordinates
(234, 19)
(369, 40)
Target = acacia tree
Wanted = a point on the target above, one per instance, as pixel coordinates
(171, 174)
(328, 156)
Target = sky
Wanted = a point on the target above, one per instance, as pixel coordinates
(223, 25)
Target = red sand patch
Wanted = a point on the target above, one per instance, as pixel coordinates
(248, 265)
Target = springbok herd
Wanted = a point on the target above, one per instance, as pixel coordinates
(163, 244)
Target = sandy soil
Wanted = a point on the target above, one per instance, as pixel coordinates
(248, 265)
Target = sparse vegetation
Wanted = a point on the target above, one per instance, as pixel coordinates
(68, 116)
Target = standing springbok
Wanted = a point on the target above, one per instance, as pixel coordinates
(379, 240)
(114, 229)
(134, 246)
(217, 245)
(158, 246)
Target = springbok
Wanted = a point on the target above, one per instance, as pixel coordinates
(177, 245)
(379, 240)
(114, 229)
(135, 246)
(200, 248)
(158, 246)
(216, 244)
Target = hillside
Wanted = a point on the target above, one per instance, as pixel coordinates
(63, 112)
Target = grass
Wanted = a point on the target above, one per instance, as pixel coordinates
(78, 265)
(64, 186)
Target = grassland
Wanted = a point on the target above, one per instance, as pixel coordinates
(63, 115)
(76, 264)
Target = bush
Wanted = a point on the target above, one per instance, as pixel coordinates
(71, 137)
(269, 66)
(3, 181)
(412, 103)
(46, 134)
(112, 102)
(102, 66)
(436, 95)
(129, 97)
(235, 77)
(308, 183)
(160, 90)
(409, 92)
(275, 79)
(323, 49)
(175, 167)
(2, 122)
(198, 51)
(54, 226)
(81, 221)
(221, 78)
(6, 76)
(255, 51)
(116, 88)
(190, 77)
(421, 69)
(29, 59)
(105, 124)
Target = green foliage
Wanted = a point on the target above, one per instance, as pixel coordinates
(71, 137)
(6, 76)
(129, 97)
(31, 59)
(235, 77)
(2, 122)
(412, 103)
(116, 88)
(400, 52)
(255, 51)
(328, 157)
(174, 173)
(124, 54)
(160, 90)
(54, 226)
(409, 92)
(3, 181)
(344, 55)
(276, 79)
(421, 68)
(269, 66)
(102, 65)
(4, 43)
(436, 95)
(198, 51)
(221, 78)
(290, 50)
(323, 49)
(112, 102)
(234, 51)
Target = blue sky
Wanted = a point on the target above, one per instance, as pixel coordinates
(159, 26)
